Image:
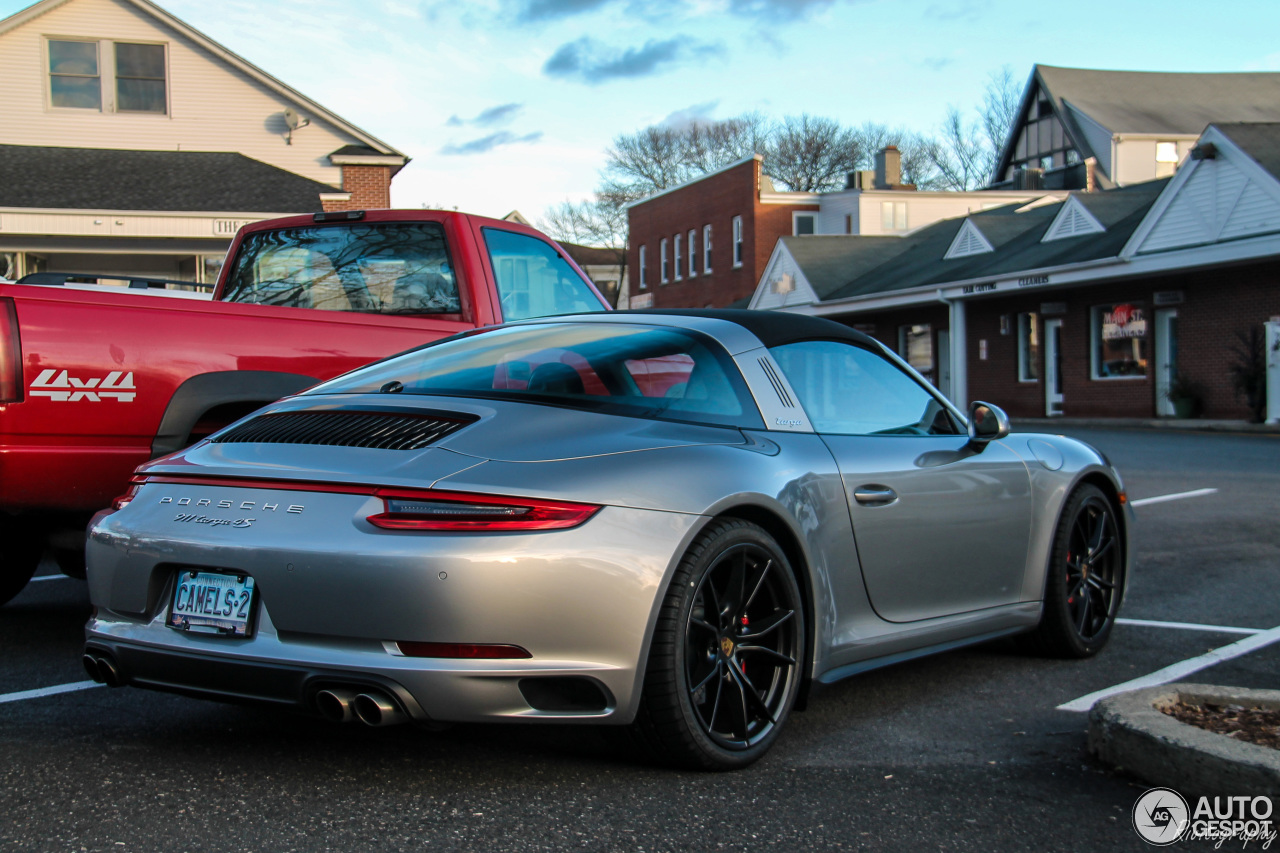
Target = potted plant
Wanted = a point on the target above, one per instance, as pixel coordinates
(1248, 371)
(1186, 395)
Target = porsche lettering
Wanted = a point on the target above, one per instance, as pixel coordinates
(263, 506)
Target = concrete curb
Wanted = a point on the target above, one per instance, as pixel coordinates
(1178, 424)
(1128, 730)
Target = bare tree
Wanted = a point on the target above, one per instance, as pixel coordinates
(960, 154)
(999, 110)
(654, 157)
(812, 154)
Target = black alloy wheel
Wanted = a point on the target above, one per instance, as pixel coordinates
(1086, 578)
(727, 657)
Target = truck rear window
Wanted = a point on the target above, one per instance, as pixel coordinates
(372, 268)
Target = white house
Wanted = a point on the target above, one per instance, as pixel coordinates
(133, 143)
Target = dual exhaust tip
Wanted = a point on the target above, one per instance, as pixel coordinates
(368, 706)
(102, 670)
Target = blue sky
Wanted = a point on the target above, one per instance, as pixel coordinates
(510, 104)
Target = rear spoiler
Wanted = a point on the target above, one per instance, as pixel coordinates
(135, 281)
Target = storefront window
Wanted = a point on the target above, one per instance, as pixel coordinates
(1028, 348)
(9, 265)
(915, 344)
(1119, 334)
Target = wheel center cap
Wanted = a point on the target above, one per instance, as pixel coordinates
(726, 646)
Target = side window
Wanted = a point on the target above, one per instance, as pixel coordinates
(848, 390)
(533, 279)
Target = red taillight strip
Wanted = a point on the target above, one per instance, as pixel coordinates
(469, 651)
(537, 513)
(10, 353)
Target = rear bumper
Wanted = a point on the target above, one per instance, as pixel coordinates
(334, 599)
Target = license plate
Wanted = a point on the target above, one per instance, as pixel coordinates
(212, 603)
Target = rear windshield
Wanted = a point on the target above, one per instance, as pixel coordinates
(615, 368)
(374, 268)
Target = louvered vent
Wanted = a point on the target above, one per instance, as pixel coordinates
(1072, 221)
(345, 429)
(969, 241)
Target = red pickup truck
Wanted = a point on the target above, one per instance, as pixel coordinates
(95, 381)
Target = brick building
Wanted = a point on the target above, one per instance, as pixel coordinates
(705, 243)
(132, 143)
(1101, 304)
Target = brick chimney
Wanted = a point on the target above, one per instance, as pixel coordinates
(366, 177)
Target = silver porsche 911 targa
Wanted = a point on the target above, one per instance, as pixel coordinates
(670, 520)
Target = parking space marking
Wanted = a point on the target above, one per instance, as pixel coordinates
(1189, 626)
(48, 691)
(1179, 669)
(53, 578)
(1159, 499)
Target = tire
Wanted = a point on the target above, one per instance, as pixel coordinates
(19, 559)
(1085, 581)
(727, 656)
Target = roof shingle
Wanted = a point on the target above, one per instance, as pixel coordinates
(108, 179)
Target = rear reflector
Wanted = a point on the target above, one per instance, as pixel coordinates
(458, 511)
(470, 651)
(10, 353)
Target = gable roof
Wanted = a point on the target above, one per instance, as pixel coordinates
(1260, 140)
(830, 261)
(146, 7)
(113, 179)
(1144, 102)
(1181, 103)
(1015, 236)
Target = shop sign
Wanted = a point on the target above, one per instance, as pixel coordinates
(1123, 321)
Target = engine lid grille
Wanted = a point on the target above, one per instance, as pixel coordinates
(346, 429)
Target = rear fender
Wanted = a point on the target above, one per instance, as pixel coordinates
(203, 392)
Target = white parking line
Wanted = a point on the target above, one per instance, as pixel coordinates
(52, 578)
(1159, 499)
(1189, 626)
(1179, 669)
(48, 691)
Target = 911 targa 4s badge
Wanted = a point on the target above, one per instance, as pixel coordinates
(669, 521)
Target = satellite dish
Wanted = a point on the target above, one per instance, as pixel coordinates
(292, 119)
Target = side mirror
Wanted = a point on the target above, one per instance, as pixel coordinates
(987, 422)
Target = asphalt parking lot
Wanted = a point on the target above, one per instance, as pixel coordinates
(968, 750)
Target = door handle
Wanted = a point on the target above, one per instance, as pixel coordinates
(874, 495)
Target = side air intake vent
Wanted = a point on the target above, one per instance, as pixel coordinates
(783, 396)
(346, 429)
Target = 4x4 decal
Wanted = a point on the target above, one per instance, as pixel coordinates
(61, 388)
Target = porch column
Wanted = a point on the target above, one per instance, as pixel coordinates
(959, 356)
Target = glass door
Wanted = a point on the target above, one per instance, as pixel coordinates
(1053, 367)
(1166, 357)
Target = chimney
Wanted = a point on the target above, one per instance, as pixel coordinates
(861, 180)
(888, 168)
